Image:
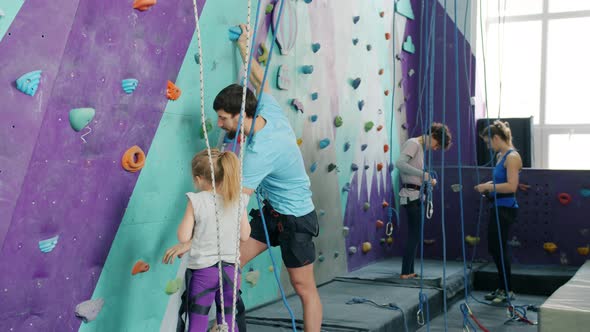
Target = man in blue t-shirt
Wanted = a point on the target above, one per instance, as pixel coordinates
(273, 165)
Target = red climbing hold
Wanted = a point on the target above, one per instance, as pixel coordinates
(387, 36)
(386, 92)
(379, 166)
(385, 148)
(382, 14)
(379, 127)
(381, 71)
(385, 204)
(564, 198)
(140, 267)
(379, 224)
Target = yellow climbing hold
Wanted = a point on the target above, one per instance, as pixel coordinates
(584, 251)
(263, 57)
(550, 247)
(252, 277)
(271, 268)
(299, 141)
(366, 247)
(390, 240)
(472, 240)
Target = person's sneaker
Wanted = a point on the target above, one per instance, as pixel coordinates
(501, 297)
(492, 295)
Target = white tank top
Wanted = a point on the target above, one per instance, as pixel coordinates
(203, 251)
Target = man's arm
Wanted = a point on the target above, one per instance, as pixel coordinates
(256, 71)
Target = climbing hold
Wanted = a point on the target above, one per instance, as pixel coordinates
(2, 14)
(47, 245)
(336, 254)
(346, 187)
(408, 46)
(352, 250)
(369, 47)
(345, 231)
(338, 121)
(361, 104)
(369, 125)
(379, 224)
(355, 41)
(321, 257)
(313, 167)
(197, 58)
(87, 311)
(390, 168)
(299, 141)
(366, 247)
(332, 167)
(283, 78)
(313, 118)
(129, 85)
(81, 117)
(172, 286)
(385, 147)
(472, 240)
(271, 268)
(307, 1)
(550, 247)
(315, 47)
(29, 82)
(143, 5)
(314, 96)
(252, 277)
(366, 166)
(390, 240)
(346, 146)
(387, 36)
(404, 8)
(286, 32)
(366, 206)
(234, 33)
(308, 69)
(364, 147)
(514, 242)
(386, 92)
(584, 250)
(563, 259)
(379, 167)
(356, 82)
(382, 241)
(585, 192)
(209, 127)
(456, 187)
(321, 212)
(384, 204)
(262, 54)
(382, 14)
(172, 91)
(564, 198)
(269, 8)
(297, 104)
(379, 127)
(404, 125)
(354, 167)
(324, 143)
(133, 159)
(140, 267)
(381, 71)
(355, 19)
(429, 242)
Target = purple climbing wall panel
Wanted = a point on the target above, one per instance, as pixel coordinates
(75, 190)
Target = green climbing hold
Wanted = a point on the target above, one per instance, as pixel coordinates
(404, 8)
(408, 45)
(366, 206)
(338, 121)
(173, 286)
(263, 55)
(209, 127)
(80, 117)
(369, 125)
(270, 7)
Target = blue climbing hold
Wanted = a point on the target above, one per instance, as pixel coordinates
(324, 143)
(364, 147)
(369, 47)
(355, 19)
(80, 117)
(129, 85)
(197, 58)
(314, 96)
(355, 41)
(390, 168)
(408, 45)
(356, 82)
(404, 8)
(307, 69)
(313, 167)
(366, 166)
(307, 1)
(234, 33)
(313, 118)
(346, 187)
(354, 167)
(29, 82)
(47, 245)
(361, 104)
(315, 47)
(346, 146)
(585, 192)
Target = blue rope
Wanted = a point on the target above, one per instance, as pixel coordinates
(274, 265)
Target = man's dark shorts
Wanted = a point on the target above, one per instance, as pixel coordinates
(293, 234)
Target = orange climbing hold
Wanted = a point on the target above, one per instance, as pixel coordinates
(379, 223)
(385, 148)
(382, 14)
(386, 92)
(379, 166)
(387, 36)
(172, 91)
(385, 204)
(133, 159)
(366, 247)
(550, 247)
(381, 71)
(379, 127)
(143, 5)
(140, 267)
(584, 251)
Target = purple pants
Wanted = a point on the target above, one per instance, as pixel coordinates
(204, 288)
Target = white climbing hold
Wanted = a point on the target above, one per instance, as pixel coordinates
(88, 310)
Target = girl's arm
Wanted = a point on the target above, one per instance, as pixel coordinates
(244, 227)
(185, 229)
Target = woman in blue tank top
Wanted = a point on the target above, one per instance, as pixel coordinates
(502, 194)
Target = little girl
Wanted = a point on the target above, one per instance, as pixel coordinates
(198, 226)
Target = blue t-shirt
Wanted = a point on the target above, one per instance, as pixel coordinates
(273, 161)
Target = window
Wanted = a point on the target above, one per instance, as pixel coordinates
(537, 65)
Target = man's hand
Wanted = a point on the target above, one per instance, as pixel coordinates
(176, 251)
